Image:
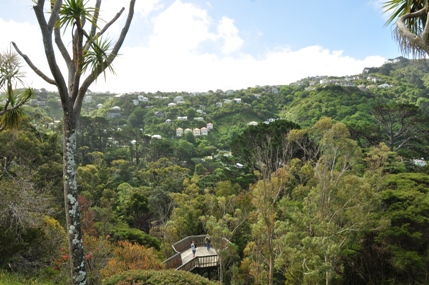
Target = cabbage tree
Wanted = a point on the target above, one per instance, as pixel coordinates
(88, 57)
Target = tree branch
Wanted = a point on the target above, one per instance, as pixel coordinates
(101, 67)
(405, 32)
(33, 67)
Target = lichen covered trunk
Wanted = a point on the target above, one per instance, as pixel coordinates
(77, 256)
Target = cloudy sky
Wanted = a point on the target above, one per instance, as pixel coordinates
(199, 45)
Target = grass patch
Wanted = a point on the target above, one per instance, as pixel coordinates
(7, 278)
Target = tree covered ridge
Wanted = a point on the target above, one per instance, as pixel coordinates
(332, 196)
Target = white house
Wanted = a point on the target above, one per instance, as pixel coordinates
(179, 132)
(237, 100)
(188, 130)
(172, 104)
(142, 98)
(156, 137)
(185, 118)
(252, 123)
(178, 98)
(196, 132)
(204, 131)
(209, 126)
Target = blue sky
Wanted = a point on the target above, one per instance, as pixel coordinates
(197, 45)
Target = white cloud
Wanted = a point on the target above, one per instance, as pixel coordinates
(175, 59)
(182, 27)
(229, 34)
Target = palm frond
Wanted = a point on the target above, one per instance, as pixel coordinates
(74, 12)
(96, 57)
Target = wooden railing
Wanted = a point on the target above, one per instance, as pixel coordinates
(185, 243)
(174, 262)
(200, 261)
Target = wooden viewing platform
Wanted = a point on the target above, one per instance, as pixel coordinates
(183, 259)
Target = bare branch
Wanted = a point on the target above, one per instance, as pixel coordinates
(91, 38)
(33, 67)
(101, 67)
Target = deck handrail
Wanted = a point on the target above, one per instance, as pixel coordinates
(200, 261)
(174, 261)
(185, 243)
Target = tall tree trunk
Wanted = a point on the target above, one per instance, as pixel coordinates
(77, 257)
(271, 270)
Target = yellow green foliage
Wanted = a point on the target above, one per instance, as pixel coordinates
(131, 256)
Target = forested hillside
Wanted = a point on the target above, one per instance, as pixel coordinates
(319, 181)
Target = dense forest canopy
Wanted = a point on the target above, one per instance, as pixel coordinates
(319, 181)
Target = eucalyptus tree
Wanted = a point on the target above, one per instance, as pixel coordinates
(89, 57)
(11, 111)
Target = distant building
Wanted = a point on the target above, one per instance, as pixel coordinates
(142, 98)
(156, 137)
(179, 132)
(204, 131)
(196, 132)
(209, 126)
(159, 115)
(178, 98)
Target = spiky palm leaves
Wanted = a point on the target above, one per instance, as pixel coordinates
(11, 112)
(411, 30)
(93, 55)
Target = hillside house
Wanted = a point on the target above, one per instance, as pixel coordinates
(237, 100)
(168, 121)
(187, 130)
(179, 132)
(184, 118)
(196, 132)
(178, 98)
(219, 104)
(159, 115)
(209, 126)
(384, 86)
(158, 137)
(199, 119)
(172, 104)
(229, 92)
(204, 131)
(142, 98)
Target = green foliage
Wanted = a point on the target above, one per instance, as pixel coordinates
(7, 278)
(123, 232)
(264, 147)
(160, 277)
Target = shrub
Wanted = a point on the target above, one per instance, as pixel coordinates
(131, 256)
